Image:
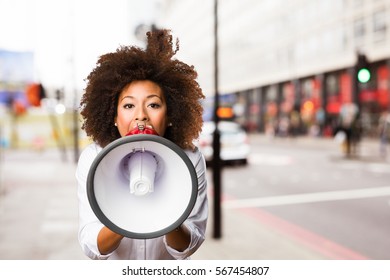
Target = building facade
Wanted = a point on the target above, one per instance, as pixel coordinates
(289, 63)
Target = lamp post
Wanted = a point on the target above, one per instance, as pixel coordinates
(216, 163)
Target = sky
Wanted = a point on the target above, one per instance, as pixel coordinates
(67, 36)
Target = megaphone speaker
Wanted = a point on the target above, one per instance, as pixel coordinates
(142, 186)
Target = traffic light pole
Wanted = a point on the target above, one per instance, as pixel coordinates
(388, 66)
(355, 85)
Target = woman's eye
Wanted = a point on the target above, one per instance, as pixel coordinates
(128, 106)
(154, 105)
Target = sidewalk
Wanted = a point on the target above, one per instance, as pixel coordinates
(38, 213)
(38, 206)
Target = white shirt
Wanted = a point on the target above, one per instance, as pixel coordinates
(89, 225)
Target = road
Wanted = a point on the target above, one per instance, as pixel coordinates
(338, 206)
(294, 200)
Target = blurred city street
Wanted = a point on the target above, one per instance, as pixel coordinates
(296, 78)
(38, 204)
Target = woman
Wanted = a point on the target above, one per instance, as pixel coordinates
(133, 88)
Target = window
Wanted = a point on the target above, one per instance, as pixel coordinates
(379, 25)
(359, 28)
(332, 85)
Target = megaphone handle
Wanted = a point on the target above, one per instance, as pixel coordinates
(142, 170)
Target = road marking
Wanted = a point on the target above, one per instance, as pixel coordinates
(379, 168)
(308, 198)
(316, 242)
(273, 160)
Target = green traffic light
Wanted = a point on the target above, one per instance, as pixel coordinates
(364, 75)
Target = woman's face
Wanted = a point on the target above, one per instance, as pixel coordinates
(141, 102)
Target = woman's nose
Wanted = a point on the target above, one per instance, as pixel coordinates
(141, 115)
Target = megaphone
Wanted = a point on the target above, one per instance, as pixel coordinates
(142, 186)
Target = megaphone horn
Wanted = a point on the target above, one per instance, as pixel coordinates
(142, 186)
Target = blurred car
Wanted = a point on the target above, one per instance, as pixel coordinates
(234, 142)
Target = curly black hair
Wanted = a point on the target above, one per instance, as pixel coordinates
(155, 63)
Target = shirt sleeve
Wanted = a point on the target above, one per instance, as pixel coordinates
(89, 225)
(197, 220)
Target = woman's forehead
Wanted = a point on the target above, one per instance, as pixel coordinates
(142, 89)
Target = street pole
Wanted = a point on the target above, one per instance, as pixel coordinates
(216, 164)
(76, 127)
(75, 111)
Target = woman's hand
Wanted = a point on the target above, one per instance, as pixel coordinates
(108, 241)
(179, 239)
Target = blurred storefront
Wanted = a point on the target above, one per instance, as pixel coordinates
(314, 104)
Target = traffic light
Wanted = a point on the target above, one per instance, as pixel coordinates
(363, 73)
(35, 92)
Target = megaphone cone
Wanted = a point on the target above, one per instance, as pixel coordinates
(142, 186)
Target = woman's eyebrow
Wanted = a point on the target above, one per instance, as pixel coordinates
(147, 97)
(154, 95)
(127, 96)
